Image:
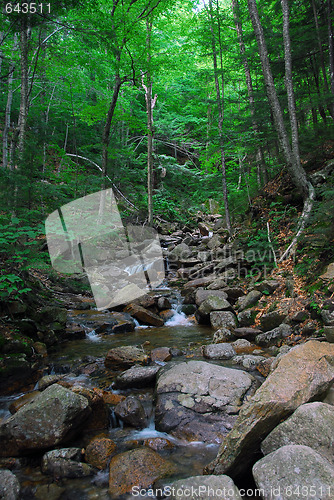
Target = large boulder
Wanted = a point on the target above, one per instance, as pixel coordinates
(311, 425)
(9, 485)
(198, 400)
(136, 469)
(99, 451)
(306, 372)
(271, 320)
(203, 488)
(52, 418)
(293, 472)
(248, 300)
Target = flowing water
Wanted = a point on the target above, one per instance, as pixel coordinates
(72, 359)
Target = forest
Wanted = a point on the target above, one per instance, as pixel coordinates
(211, 122)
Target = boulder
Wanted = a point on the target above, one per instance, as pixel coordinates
(223, 335)
(294, 472)
(132, 412)
(247, 333)
(99, 451)
(274, 336)
(311, 425)
(99, 417)
(203, 488)
(248, 361)
(144, 315)
(327, 317)
(198, 400)
(21, 401)
(161, 354)
(217, 284)
(138, 468)
(247, 317)
(329, 333)
(242, 346)
(65, 462)
(125, 356)
(234, 292)
(163, 303)
(267, 286)
(218, 351)
(271, 320)
(303, 374)
(52, 418)
(248, 300)
(179, 252)
(201, 295)
(9, 485)
(222, 319)
(200, 282)
(137, 376)
(210, 304)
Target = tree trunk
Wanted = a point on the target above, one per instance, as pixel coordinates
(261, 165)
(331, 49)
(150, 103)
(23, 113)
(220, 104)
(106, 131)
(291, 154)
(6, 160)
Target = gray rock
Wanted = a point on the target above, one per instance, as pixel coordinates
(228, 262)
(65, 463)
(9, 485)
(132, 412)
(303, 374)
(267, 286)
(329, 333)
(247, 317)
(294, 469)
(180, 252)
(222, 319)
(52, 418)
(327, 317)
(218, 351)
(137, 376)
(223, 335)
(272, 320)
(248, 300)
(202, 295)
(196, 400)
(163, 303)
(248, 361)
(234, 292)
(271, 338)
(311, 425)
(215, 242)
(217, 284)
(125, 357)
(248, 333)
(204, 488)
(213, 303)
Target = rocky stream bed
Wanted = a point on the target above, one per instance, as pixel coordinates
(205, 388)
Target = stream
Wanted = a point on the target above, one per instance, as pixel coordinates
(76, 359)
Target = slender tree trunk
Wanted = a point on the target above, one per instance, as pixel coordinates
(291, 153)
(150, 103)
(106, 131)
(321, 55)
(331, 49)
(220, 104)
(261, 165)
(5, 150)
(23, 113)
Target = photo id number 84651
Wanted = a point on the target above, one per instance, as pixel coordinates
(27, 8)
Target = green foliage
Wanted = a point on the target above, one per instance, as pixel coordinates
(12, 287)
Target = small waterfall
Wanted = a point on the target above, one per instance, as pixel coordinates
(179, 318)
(93, 336)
